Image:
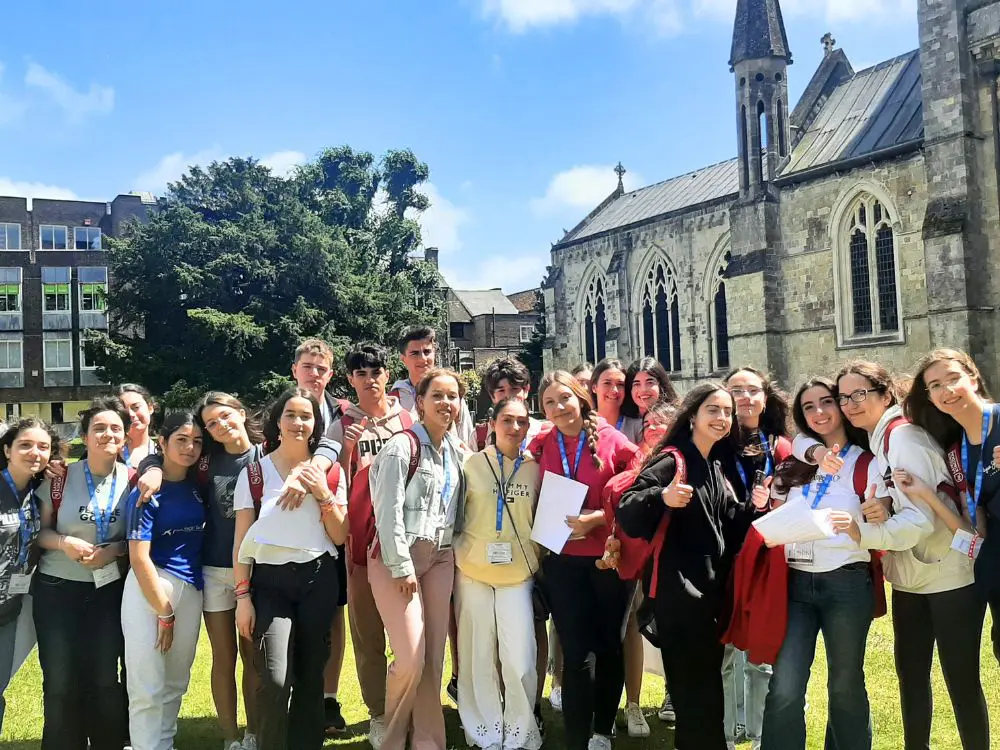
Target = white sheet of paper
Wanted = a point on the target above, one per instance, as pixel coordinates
(559, 497)
(283, 528)
(795, 522)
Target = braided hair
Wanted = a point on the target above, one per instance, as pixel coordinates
(587, 412)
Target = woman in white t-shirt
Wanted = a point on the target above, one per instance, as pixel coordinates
(830, 587)
(292, 554)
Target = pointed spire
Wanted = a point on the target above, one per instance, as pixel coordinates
(758, 32)
(620, 171)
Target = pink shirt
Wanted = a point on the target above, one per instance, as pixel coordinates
(613, 448)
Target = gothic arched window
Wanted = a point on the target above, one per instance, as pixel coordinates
(871, 263)
(719, 315)
(595, 322)
(660, 317)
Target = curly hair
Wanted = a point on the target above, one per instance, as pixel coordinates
(587, 412)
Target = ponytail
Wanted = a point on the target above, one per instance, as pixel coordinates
(590, 427)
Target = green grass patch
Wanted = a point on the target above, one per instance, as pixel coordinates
(198, 730)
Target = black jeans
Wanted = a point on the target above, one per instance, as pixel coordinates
(295, 604)
(588, 609)
(692, 659)
(80, 640)
(953, 620)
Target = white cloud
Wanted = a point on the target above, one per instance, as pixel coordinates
(581, 188)
(281, 163)
(512, 273)
(11, 108)
(520, 15)
(76, 104)
(441, 223)
(30, 190)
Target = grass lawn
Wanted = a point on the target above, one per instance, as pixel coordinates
(23, 722)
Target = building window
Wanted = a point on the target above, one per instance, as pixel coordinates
(10, 290)
(93, 289)
(85, 362)
(719, 315)
(595, 322)
(526, 334)
(87, 238)
(456, 330)
(55, 289)
(871, 270)
(10, 236)
(10, 355)
(58, 354)
(57, 412)
(53, 237)
(660, 317)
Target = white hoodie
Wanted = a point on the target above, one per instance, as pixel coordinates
(920, 559)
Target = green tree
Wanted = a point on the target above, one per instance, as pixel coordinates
(531, 352)
(236, 266)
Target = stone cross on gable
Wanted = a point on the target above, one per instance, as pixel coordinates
(828, 43)
(620, 171)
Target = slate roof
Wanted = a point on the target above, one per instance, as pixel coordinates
(700, 186)
(877, 108)
(758, 32)
(484, 302)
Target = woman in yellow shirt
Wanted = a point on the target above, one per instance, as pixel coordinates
(496, 562)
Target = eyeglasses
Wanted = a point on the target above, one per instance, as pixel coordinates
(857, 396)
(741, 392)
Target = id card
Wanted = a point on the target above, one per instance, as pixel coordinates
(108, 574)
(800, 552)
(500, 553)
(20, 583)
(444, 537)
(967, 544)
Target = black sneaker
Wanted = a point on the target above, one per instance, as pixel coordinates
(539, 721)
(334, 720)
(452, 689)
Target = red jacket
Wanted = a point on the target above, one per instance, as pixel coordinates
(760, 600)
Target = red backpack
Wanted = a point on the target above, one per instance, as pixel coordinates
(360, 511)
(635, 553)
(946, 488)
(875, 563)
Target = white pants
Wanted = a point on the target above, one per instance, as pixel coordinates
(496, 622)
(157, 682)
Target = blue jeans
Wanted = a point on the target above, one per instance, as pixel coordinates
(840, 604)
(745, 686)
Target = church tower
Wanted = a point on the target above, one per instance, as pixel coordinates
(759, 61)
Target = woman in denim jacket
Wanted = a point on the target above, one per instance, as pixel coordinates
(413, 573)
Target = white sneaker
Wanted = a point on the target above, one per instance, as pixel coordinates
(637, 726)
(599, 742)
(666, 712)
(555, 699)
(249, 741)
(376, 732)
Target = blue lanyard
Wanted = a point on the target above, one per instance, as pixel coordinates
(565, 458)
(768, 460)
(26, 526)
(970, 497)
(620, 422)
(502, 486)
(126, 451)
(823, 485)
(102, 516)
(446, 465)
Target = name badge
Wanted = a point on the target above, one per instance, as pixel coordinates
(108, 574)
(802, 552)
(966, 544)
(20, 583)
(444, 537)
(500, 553)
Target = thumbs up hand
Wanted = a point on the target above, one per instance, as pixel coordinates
(831, 462)
(676, 494)
(876, 509)
(761, 494)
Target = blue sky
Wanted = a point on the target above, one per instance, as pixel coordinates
(520, 107)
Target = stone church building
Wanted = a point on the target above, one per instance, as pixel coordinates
(860, 221)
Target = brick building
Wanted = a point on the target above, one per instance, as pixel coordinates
(484, 324)
(862, 222)
(53, 287)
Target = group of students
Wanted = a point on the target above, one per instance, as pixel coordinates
(398, 507)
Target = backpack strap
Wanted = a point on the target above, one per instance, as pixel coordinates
(861, 467)
(896, 422)
(411, 468)
(954, 460)
(56, 488)
(255, 473)
(203, 464)
(406, 419)
(333, 477)
(680, 474)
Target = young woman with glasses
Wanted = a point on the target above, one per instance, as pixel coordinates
(762, 410)
(934, 601)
